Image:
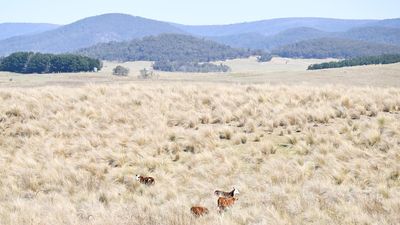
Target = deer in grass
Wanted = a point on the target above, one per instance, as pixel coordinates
(199, 211)
(226, 194)
(145, 180)
(225, 203)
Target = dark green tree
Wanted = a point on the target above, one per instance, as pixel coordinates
(179, 66)
(29, 62)
(120, 71)
(359, 61)
(266, 57)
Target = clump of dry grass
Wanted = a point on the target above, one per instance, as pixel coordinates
(298, 154)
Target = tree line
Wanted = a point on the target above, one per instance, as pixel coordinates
(194, 67)
(360, 61)
(30, 62)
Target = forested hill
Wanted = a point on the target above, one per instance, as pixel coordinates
(87, 32)
(258, 41)
(375, 34)
(383, 35)
(275, 26)
(266, 35)
(334, 48)
(165, 47)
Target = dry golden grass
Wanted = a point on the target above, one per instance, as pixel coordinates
(246, 71)
(298, 154)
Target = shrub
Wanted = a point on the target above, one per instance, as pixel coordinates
(1, 59)
(264, 57)
(120, 71)
(147, 74)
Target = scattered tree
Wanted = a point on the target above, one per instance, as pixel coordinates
(266, 57)
(147, 74)
(189, 67)
(120, 71)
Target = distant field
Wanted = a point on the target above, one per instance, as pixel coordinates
(278, 71)
(298, 154)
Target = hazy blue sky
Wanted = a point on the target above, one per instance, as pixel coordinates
(196, 12)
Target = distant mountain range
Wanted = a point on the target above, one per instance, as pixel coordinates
(270, 35)
(8, 30)
(274, 26)
(87, 32)
(381, 35)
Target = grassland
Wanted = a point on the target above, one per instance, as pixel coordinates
(244, 71)
(299, 154)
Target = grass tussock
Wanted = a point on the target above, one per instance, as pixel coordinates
(298, 155)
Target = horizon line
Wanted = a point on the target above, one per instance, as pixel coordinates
(222, 24)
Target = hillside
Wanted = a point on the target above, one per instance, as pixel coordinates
(87, 32)
(165, 47)
(394, 23)
(246, 40)
(384, 35)
(8, 30)
(274, 26)
(265, 35)
(258, 41)
(334, 48)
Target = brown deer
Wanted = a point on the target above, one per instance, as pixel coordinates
(225, 203)
(199, 211)
(145, 180)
